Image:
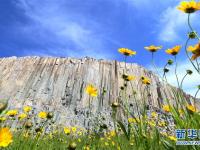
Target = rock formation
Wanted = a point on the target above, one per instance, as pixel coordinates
(58, 84)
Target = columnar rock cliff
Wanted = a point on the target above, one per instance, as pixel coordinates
(58, 84)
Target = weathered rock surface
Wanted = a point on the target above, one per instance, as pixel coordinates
(58, 84)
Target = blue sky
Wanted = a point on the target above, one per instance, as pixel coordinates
(94, 28)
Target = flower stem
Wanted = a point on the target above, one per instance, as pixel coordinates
(186, 43)
(135, 100)
(182, 80)
(154, 65)
(165, 77)
(89, 113)
(192, 28)
(114, 115)
(197, 64)
(164, 74)
(176, 71)
(125, 59)
(195, 96)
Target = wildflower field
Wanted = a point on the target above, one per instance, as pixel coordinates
(28, 129)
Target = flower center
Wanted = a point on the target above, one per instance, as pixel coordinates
(190, 10)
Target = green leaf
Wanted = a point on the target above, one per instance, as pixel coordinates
(124, 129)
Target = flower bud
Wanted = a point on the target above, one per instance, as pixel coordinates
(104, 126)
(122, 88)
(192, 35)
(124, 76)
(72, 146)
(142, 78)
(166, 70)
(170, 62)
(49, 115)
(28, 125)
(3, 105)
(134, 92)
(38, 130)
(115, 105)
(104, 91)
(189, 72)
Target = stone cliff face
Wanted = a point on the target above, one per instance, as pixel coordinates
(58, 84)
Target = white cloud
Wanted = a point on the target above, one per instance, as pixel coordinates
(148, 4)
(137, 3)
(190, 83)
(172, 22)
(54, 20)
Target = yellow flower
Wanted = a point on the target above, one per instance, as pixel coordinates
(22, 116)
(27, 109)
(86, 147)
(2, 119)
(113, 143)
(131, 120)
(128, 77)
(12, 113)
(79, 140)
(191, 108)
(67, 130)
(138, 120)
(106, 144)
(163, 133)
(51, 135)
(42, 115)
(26, 134)
(172, 138)
(108, 138)
(91, 90)
(195, 50)
(80, 133)
(74, 129)
(174, 50)
(145, 80)
(189, 7)
(112, 133)
(161, 123)
(126, 51)
(181, 112)
(152, 123)
(166, 108)
(118, 148)
(154, 114)
(5, 137)
(153, 48)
